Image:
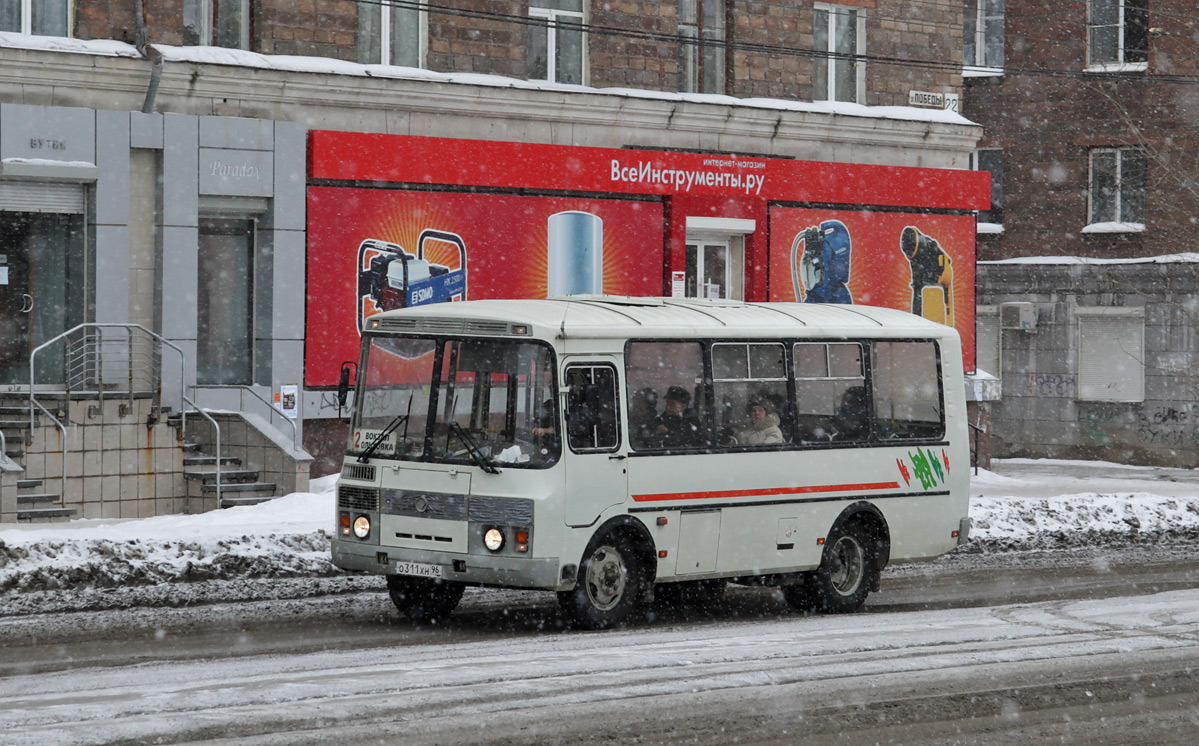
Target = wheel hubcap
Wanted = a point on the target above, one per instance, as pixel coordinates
(606, 577)
(847, 565)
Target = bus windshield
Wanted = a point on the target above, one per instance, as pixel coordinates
(489, 402)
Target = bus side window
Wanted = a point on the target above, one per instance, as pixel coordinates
(830, 392)
(591, 420)
(907, 390)
(668, 407)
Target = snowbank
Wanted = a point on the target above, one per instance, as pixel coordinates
(289, 537)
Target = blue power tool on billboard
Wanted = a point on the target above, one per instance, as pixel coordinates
(392, 278)
(824, 263)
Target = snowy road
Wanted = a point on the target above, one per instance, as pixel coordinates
(1072, 618)
(1113, 669)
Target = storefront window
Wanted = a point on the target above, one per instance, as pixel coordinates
(225, 302)
(42, 290)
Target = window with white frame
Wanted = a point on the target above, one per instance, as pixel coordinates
(1117, 193)
(225, 23)
(1111, 354)
(1118, 34)
(556, 41)
(983, 33)
(991, 160)
(392, 34)
(36, 17)
(840, 33)
(701, 46)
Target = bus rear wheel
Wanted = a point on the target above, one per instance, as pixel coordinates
(609, 584)
(424, 600)
(848, 570)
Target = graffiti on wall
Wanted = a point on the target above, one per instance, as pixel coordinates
(1046, 384)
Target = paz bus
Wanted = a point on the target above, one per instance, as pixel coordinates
(607, 448)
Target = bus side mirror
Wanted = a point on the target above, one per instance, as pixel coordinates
(343, 384)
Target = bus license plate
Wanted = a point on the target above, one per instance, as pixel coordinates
(419, 569)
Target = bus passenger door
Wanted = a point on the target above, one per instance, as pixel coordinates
(595, 461)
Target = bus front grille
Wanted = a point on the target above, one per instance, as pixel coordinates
(359, 472)
(357, 498)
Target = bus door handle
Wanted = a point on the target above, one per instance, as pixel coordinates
(26, 302)
(617, 457)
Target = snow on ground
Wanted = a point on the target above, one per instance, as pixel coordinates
(1024, 505)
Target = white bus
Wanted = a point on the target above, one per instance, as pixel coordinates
(607, 448)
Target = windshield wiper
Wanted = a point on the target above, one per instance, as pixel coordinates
(378, 439)
(475, 453)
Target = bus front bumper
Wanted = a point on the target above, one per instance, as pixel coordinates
(508, 572)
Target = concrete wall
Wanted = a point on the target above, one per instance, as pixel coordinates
(1042, 413)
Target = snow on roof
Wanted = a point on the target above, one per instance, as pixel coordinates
(1184, 258)
(105, 47)
(330, 66)
(241, 58)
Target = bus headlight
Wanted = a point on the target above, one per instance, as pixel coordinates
(493, 539)
(362, 527)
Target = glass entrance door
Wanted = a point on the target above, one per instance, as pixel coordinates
(708, 267)
(225, 302)
(42, 275)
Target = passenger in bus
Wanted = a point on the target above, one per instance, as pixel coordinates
(763, 427)
(676, 426)
(643, 418)
(851, 422)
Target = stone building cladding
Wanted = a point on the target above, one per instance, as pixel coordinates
(1047, 125)
(483, 41)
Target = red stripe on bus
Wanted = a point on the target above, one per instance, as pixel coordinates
(769, 491)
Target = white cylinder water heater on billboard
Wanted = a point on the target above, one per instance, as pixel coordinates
(576, 254)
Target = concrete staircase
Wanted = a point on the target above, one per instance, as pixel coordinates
(238, 486)
(34, 503)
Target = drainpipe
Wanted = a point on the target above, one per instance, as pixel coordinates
(150, 53)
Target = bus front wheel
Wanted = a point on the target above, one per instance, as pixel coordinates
(848, 570)
(424, 599)
(609, 584)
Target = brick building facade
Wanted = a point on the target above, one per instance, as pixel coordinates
(1090, 122)
(633, 44)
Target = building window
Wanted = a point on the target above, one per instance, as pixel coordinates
(1111, 354)
(391, 34)
(225, 302)
(983, 33)
(840, 33)
(991, 160)
(556, 41)
(37, 17)
(1118, 34)
(225, 23)
(1118, 188)
(701, 46)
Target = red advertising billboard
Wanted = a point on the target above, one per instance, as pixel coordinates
(371, 250)
(918, 262)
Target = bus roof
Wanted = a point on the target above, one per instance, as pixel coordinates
(615, 317)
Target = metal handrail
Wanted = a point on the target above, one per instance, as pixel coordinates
(63, 429)
(35, 405)
(270, 407)
(217, 429)
(129, 328)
